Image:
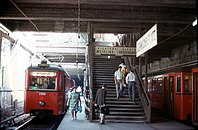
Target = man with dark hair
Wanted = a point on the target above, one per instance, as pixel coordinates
(100, 101)
(130, 80)
(118, 78)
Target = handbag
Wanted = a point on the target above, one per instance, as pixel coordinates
(104, 110)
(80, 109)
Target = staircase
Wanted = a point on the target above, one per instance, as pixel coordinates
(122, 110)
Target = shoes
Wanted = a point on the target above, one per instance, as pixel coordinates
(72, 118)
(101, 122)
(75, 117)
(117, 97)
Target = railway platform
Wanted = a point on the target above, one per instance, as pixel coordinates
(83, 124)
(158, 123)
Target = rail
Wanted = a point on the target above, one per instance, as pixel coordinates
(142, 92)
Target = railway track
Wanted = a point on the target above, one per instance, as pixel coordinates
(47, 123)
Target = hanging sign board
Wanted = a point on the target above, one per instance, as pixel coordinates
(147, 41)
(117, 51)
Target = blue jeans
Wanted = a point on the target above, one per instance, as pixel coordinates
(118, 87)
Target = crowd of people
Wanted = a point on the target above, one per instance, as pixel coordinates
(124, 78)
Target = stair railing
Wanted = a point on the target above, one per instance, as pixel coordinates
(142, 92)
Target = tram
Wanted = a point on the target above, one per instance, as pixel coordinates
(46, 89)
(175, 94)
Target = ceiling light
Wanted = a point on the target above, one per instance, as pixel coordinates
(194, 23)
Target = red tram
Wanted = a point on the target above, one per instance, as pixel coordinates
(195, 96)
(46, 89)
(174, 94)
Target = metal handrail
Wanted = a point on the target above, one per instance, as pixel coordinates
(142, 91)
(141, 85)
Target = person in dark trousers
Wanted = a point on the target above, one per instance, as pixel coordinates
(100, 100)
(130, 80)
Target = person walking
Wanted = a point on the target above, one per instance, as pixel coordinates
(74, 102)
(123, 65)
(118, 78)
(124, 73)
(130, 80)
(100, 100)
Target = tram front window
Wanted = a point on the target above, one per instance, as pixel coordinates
(40, 83)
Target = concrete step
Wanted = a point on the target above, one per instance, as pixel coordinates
(125, 121)
(122, 110)
(123, 113)
(128, 110)
(113, 118)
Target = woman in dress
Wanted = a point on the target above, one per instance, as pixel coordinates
(74, 101)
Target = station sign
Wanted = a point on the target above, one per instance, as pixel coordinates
(117, 51)
(147, 41)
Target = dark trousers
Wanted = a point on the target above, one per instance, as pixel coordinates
(131, 90)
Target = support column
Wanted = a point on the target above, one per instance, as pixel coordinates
(140, 66)
(90, 66)
(146, 62)
(133, 45)
(0, 46)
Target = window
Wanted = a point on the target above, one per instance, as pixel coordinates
(178, 84)
(61, 82)
(42, 83)
(159, 89)
(187, 83)
(154, 85)
(150, 87)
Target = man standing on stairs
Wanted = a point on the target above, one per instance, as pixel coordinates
(100, 100)
(130, 80)
(118, 78)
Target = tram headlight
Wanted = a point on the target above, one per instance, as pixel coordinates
(42, 103)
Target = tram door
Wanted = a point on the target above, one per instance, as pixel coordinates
(169, 96)
(195, 97)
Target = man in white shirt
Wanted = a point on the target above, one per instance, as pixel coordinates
(122, 64)
(130, 80)
(118, 76)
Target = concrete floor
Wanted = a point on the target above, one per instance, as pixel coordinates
(158, 123)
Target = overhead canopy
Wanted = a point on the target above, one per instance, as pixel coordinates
(174, 18)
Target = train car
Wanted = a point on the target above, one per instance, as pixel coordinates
(178, 95)
(45, 90)
(155, 91)
(172, 94)
(195, 96)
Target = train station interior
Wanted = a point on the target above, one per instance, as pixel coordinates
(87, 40)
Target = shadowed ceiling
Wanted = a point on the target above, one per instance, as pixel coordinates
(174, 18)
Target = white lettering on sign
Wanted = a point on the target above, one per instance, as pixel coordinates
(118, 51)
(42, 93)
(38, 73)
(147, 41)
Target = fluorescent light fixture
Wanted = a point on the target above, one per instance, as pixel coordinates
(4, 29)
(194, 23)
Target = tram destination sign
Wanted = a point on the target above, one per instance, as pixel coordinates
(147, 41)
(39, 73)
(117, 51)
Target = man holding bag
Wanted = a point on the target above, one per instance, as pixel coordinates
(100, 101)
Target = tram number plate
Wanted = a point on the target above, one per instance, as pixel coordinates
(42, 93)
